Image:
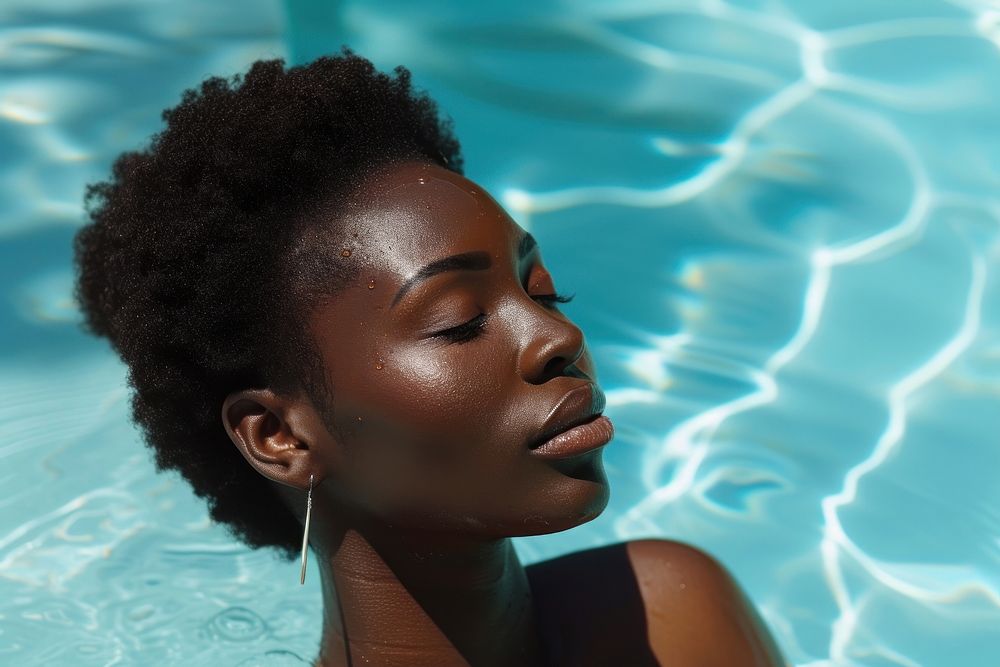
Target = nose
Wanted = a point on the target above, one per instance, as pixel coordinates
(553, 343)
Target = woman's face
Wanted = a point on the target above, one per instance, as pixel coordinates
(445, 373)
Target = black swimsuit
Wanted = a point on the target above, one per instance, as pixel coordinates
(566, 592)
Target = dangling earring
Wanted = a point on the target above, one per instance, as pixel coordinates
(305, 535)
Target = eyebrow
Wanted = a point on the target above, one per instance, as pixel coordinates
(477, 260)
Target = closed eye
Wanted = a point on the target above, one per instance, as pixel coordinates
(473, 328)
(551, 299)
(464, 332)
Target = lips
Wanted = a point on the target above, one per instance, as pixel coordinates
(579, 406)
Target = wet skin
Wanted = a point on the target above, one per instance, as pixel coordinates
(442, 382)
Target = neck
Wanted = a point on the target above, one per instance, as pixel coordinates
(395, 598)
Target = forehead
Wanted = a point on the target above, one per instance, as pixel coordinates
(395, 223)
(409, 214)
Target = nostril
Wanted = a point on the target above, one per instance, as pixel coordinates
(554, 366)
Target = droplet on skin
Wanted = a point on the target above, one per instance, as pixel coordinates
(371, 284)
(345, 253)
(359, 418)
(379, 365)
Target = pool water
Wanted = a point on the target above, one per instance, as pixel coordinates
(782, 225)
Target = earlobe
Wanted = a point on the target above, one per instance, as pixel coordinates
(256, 423)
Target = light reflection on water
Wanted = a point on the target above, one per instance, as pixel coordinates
(781, 223)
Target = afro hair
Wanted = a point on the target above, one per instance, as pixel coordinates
(186, 262)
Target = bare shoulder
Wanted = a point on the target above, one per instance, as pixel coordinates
(696, 613)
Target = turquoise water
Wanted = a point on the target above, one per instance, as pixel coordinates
(782, 225)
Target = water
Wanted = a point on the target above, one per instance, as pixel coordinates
(781, 223)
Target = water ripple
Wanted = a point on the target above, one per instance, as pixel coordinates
(796, 327)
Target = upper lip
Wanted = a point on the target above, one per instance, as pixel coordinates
(578, 406)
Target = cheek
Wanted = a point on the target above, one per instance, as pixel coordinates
(433, 422)
(441, 389)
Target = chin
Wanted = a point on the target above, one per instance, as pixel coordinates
(581, 496)
(570, 493)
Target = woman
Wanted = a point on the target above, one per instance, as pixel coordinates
(323, 319)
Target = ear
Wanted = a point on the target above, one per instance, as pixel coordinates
(281, 437)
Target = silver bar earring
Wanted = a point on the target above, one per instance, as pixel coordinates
(305, 534)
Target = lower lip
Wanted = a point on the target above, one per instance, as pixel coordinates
(577, 440)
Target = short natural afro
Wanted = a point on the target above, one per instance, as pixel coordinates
(186, 264)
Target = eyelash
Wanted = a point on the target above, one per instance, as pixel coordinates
(471, 329)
